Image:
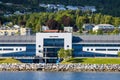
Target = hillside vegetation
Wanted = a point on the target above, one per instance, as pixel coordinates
(110, 7)
(57, 20)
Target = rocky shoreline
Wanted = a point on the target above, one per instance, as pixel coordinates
(61, 67)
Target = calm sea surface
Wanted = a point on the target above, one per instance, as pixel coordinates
(59, 76)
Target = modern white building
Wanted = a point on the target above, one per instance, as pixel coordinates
(72, 7)
(47, 44)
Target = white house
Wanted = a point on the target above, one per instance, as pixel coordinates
(42, 5)
(61, 8)
(72, 7)
(45, 28)
(104, 27)
(90, 8)
(88, 27)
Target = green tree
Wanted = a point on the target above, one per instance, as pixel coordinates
(80, 22)
(116, 21)
(97, 18)
(108, 19)
(38, 27)
(68, 53)
(65, 54)
(99, 32)
(116, 31)
(61, 53)
(53, 24)
(118, 54)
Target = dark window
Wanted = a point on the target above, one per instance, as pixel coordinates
(67, 45)
(51, 46)
(39, 45)
(51, 49)
(112, 49)
(100, 49)
(87, 49)
(106, 45)
(39, 51)
(7, 49)
(91, 49)
(16, 49)
(54, 42)
(20, 49)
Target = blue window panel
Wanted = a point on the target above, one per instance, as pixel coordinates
(112, 49)
(52, 52)
(100, 49)
(92, 54)
(26, 60)
(53, 42)
(102, 45)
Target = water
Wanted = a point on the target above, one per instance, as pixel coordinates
(59, 76)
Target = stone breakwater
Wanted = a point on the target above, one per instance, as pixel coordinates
(61, 67)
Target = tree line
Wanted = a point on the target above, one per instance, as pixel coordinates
(61, 19)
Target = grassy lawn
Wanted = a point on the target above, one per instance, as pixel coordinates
(93, 60)
(9, 60)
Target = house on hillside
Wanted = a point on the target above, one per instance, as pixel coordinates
(72, 7)
(61, 8)
(88, 27)
(88, 8)
(68, 29)
(43, 5)
(103, 27)
(14, 30)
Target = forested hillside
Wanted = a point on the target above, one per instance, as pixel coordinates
(111, 7)
(58, 20)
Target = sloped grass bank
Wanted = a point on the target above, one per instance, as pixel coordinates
(93, 60)
(9, 60)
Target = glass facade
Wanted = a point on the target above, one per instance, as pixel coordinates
(54, 42)
(78, 52)
(51, 46)
(30, 50)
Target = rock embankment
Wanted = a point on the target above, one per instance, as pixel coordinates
(61, 67)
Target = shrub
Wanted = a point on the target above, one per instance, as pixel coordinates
(118, 54)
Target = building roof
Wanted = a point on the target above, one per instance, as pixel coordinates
(29, 39)
(103, 26)
(96, 39)
(51, 31)
(77, 39)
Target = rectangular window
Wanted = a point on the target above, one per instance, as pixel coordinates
(105, 45)
(54, 42)
(100, 49)
(52, 45)
(112, 49)
(51, 49)
(8, 49)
